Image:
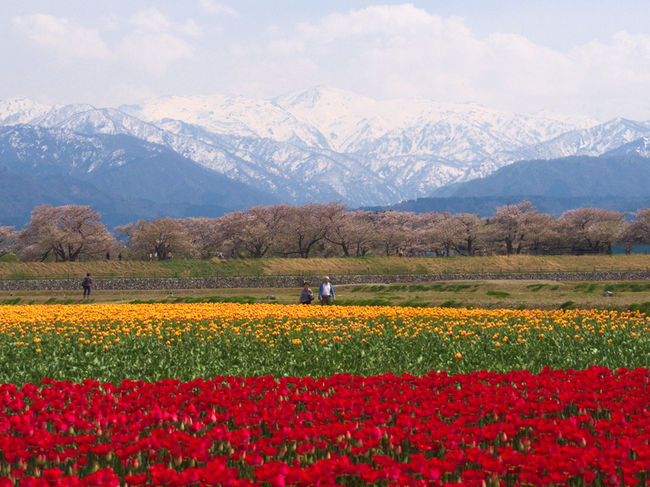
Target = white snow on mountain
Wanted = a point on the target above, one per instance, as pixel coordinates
(353, 123)
(323, 144)
(643, 148)
(231, 115)
(20, 110)
(639, 147)
(590, 141)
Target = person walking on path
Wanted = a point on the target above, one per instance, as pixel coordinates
(326, 291)
(86, 283)
(306, 294)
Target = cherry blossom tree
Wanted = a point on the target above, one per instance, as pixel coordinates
(441, 233)
(638, 230)
(473, 230)
(362, 232)
(512, 224)
(205, 236)
(160, 239)
(68, 233)
(591, 230)
(8, 237)
(349, 231)
(253, 233)
(306, 227)
(396, 232)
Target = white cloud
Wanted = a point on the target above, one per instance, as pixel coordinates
(155, 42)
(61, 35)
(110, 22)
(191, 29)
(148, 40)
(385, 21)
(154, 53)
(625, 59)
(216, 8)
(384, 51)
(401, 50)
(151, 20)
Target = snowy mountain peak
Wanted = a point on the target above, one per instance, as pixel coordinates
(233, 115)
(20, 110)
(60, 113)
(321, 97)
(351, 122)
(620, 123)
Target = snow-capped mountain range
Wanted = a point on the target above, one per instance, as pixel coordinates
(326, 144)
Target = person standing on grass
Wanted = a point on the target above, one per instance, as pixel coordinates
(306, 295)
(86, 283)
(326, 291)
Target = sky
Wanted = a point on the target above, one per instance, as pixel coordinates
(578, 57)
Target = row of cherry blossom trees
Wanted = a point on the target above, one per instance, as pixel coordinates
(69, 233)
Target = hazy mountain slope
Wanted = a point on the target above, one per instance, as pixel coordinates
(640, 147)
(590, 141)
(410, 146)
(323, 144)
(22, 192)
(617, 180)
(579, 176)
(486, 206)
(294, 171)
(298, 173)
(122, 174)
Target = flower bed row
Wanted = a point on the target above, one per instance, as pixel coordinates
(564, 427)
(159, 341)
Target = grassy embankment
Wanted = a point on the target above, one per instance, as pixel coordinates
(321, 266)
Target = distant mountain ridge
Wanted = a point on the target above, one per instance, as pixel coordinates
(616, 180)
(122, 176)
(623, 172)
(321, 144)
(485, 206)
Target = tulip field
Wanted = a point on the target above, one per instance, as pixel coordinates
(273, 395)
(152, 342)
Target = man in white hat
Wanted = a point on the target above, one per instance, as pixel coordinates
(326, 291)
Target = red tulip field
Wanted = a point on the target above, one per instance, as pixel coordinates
(535, 426)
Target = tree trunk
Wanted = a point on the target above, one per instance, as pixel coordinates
(508, 246)
(346, 251)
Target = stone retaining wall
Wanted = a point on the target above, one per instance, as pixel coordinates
(296, 281)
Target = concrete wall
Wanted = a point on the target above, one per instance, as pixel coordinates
(296, 281)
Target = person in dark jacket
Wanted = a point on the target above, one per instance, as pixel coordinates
(86, 283)
(306, 294)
